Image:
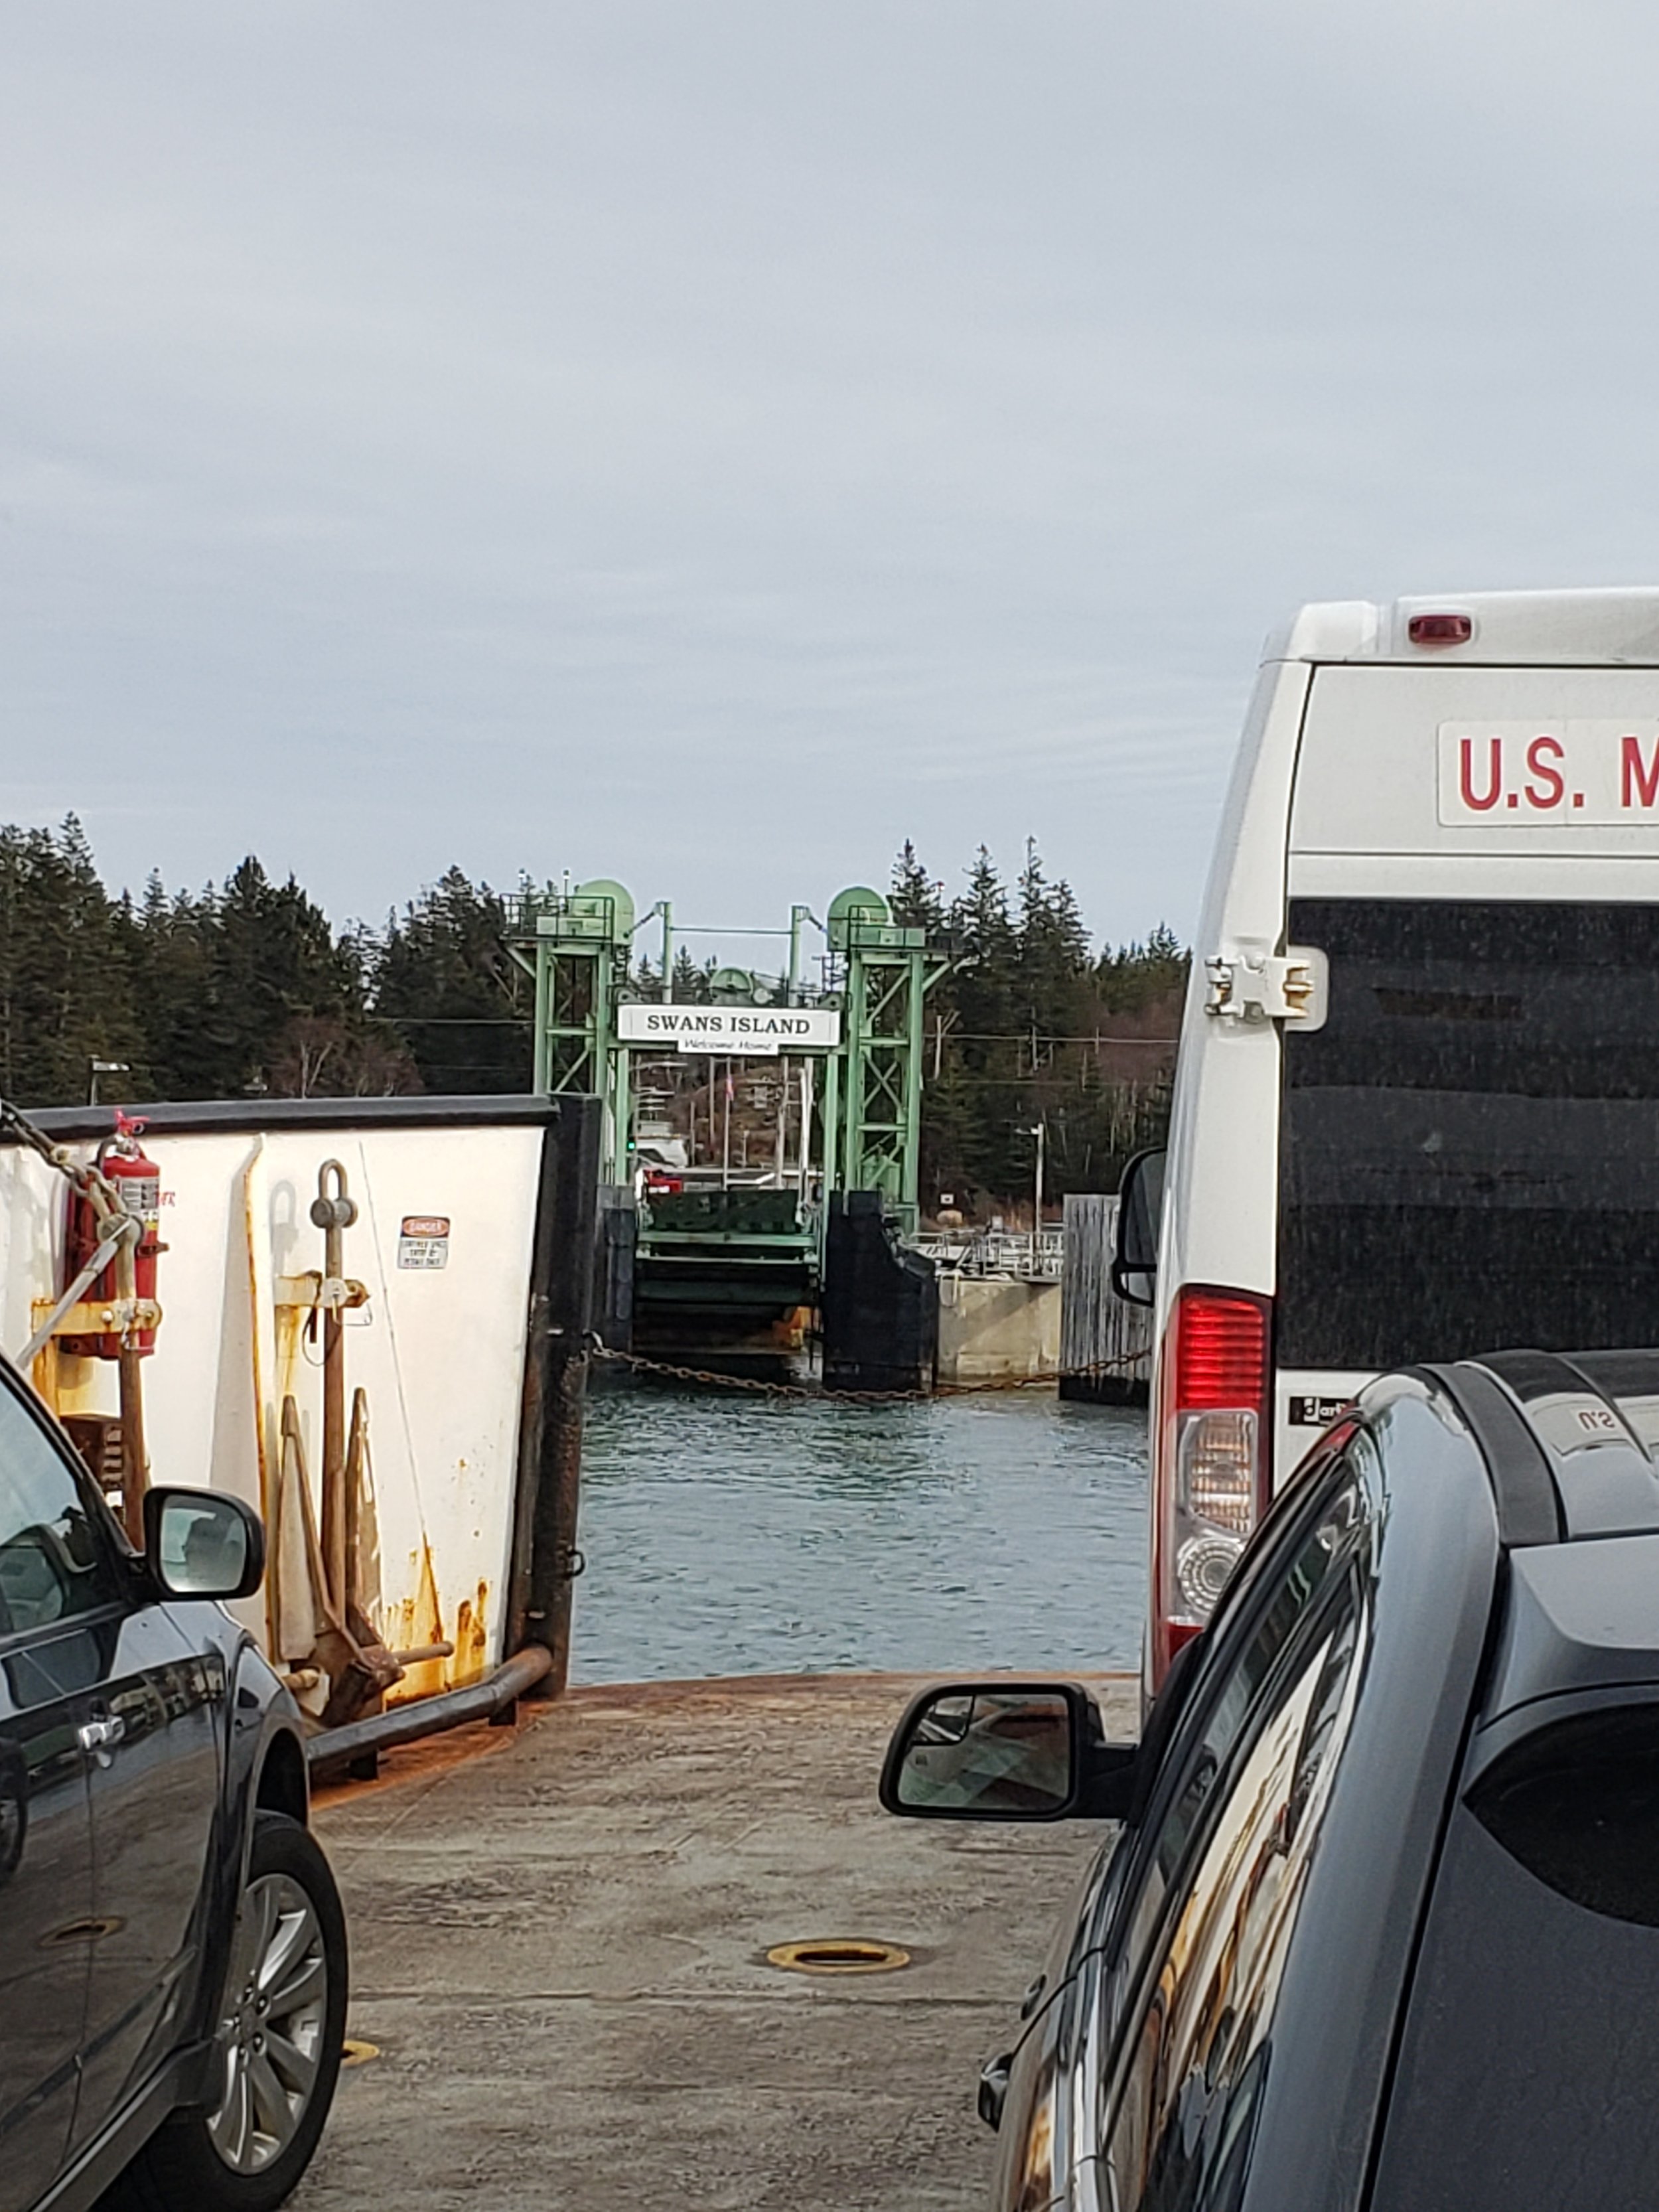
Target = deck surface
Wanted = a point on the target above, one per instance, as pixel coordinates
(559, 1939)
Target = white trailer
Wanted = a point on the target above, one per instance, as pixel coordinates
(455, 1279)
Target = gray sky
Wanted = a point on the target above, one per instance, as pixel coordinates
(705, 443)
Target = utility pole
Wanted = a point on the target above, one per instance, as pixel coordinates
(798, 914)
(1040, 1130)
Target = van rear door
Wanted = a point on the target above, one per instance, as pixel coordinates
(1469, 1144)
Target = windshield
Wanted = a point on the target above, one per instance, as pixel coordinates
(1470, 1144)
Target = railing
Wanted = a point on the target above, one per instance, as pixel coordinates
(1005, 1252)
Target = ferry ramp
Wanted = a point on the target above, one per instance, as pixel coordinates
(559, 1954)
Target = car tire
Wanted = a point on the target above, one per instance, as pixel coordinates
(278, 2043)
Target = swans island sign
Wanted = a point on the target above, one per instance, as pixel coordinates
(734, 1032)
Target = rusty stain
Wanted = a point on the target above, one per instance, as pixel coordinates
(261, 1409)
(45, 1373)
(472, 1660)
(290, 1323)
(419, 1620)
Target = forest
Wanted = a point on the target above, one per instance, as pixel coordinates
(245, 989)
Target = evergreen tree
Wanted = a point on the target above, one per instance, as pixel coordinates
(65, 988)
(916, 900)
(1053, 997)
(1027, 1026)
(173, 946)
(984, 997)
(274, 962)
(445, 981)
(692, 983)
(1136, 976)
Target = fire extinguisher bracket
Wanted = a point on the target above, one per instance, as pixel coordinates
(112, 1243)
(103, 1317)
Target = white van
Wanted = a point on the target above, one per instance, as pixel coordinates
(1417, 1106)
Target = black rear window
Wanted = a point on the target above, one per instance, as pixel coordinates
(1470, 1146)
(1527, 2073)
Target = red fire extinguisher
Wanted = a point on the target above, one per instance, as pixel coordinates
(138, 1183)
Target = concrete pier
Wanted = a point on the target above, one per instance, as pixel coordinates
(560, 1939)
(993, 1328)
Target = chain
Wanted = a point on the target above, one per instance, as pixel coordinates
(19, 1126)
(86, 1179)
(1095, 1370)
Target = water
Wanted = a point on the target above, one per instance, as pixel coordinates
(735, 1535)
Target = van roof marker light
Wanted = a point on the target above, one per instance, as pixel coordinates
(1440, 629)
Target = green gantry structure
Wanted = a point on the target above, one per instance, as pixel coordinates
(578, 944)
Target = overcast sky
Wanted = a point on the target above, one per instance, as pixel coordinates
(707, 441)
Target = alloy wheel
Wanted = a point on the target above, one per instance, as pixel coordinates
(271, 2025)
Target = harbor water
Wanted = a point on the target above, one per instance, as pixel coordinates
(735, 1534)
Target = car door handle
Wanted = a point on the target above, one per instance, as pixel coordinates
(97, 1736)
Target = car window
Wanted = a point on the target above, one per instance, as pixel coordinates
(1316, 1541)
(1531, 2046)
(53, 1563)
(1218, 1909)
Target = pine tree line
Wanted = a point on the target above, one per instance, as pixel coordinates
(1031, 1028)
(245, 989)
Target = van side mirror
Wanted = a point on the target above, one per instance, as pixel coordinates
(199, 1543)
(1140, 1218)
(1006, 1751)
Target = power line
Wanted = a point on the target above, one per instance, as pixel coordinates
(1024, 1036)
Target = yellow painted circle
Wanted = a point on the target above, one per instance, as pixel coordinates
(354, 2053)
(838, 1954)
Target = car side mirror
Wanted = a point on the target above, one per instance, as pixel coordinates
(1140, 1218)
(1005, 1750)
(199, 1543)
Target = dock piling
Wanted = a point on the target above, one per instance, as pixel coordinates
(546, 1558)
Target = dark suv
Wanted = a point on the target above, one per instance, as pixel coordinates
(172, 1964)
(1381, 1927)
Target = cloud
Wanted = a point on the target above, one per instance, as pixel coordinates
(707, 445)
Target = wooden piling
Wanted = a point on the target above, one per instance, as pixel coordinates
(1098, 1329)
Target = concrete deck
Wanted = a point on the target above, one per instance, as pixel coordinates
(559, 1948)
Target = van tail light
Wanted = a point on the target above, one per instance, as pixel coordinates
(1211, 1456)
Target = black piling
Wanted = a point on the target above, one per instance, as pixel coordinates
(615, 1249)
(546, 1557)
(879, 1301)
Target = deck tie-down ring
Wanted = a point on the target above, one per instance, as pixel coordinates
(838, 1954)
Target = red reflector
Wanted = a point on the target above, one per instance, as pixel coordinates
(1440, 629)
(1221, 1351)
